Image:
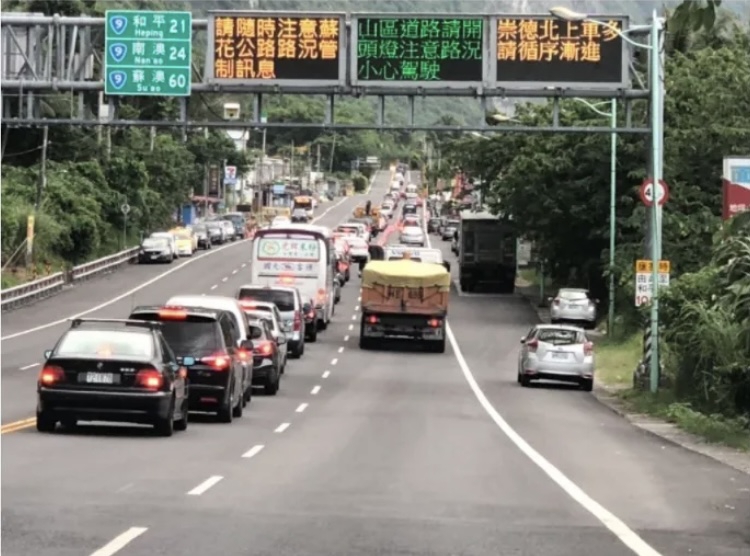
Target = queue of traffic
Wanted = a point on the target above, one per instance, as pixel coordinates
(203, 353)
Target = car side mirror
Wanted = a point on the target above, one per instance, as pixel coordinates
(247, 345)
(447, 265)
(281, 338)
(523, 339)
(47, 353)
(187, 361)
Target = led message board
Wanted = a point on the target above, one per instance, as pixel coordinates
(260, 47)
(427, 51)
(545, 51)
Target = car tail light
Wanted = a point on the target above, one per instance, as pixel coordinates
(372, 319)
(321, 296)
(51, 374)
(588, 348)
(556, 301)
(247, 303)
(434, 323)
(264, 347)
(149, 378)
(532, 345)
(243, 354)
(168, 313)
(297, 326)
(217, 361)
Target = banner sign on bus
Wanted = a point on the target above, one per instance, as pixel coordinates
(289, 249)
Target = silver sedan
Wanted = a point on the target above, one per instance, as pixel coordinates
(557, 352)
(573, 305)
(412, 235)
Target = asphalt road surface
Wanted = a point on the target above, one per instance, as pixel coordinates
(391, 452)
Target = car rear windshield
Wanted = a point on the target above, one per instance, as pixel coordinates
(561, 337)
(282, 299)
(107, 343)
(256, 332)
(194, 336)
(573, 295)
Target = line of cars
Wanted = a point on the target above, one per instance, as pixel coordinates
(196, 353)
(184, 241)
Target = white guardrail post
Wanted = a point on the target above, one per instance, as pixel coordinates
(54, 283)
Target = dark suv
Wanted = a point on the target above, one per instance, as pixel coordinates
(266, 357)
(209, 338)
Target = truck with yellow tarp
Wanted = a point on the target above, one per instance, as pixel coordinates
(404, 299)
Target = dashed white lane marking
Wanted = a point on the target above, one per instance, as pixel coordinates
(254, 451)
(326, 374)
(354, 317)
(628, 537)
(244, 265)
(341, 349)
(351, 327)
(120, 541)
(359, 299)
(334, 361)
(214, 286)
(301, 408)
(282, 427)
(356, 307)
(315, 390)
(224, 279)
(31, 366)
(346, 338)
(205, 485)
(203, 294)
(234, 271)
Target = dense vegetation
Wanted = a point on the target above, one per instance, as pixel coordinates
(557, 188)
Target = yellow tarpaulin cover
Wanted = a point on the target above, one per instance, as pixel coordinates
(406, 274)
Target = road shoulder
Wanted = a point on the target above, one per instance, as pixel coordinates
(661, 428)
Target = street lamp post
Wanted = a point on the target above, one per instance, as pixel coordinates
(612, 115)
(656, 84)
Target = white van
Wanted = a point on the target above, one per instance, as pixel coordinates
(300, 256)
(231, 305)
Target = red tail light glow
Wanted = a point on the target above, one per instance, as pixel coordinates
(264, 348)
(218, 361)
(434, 323)
(149, 378)
(172, 314)
(247, 303)
(372, 319)
(588, 348)
(532, 345)
(51, 374)
(243, 354)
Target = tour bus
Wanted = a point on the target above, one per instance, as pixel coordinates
(304, 202)
(302, 256)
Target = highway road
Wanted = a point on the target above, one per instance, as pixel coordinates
(391, 452)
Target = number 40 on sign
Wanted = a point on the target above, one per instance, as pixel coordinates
(644, 280)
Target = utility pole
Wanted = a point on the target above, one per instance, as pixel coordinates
(317, 165)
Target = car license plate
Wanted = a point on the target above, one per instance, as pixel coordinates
(100, 378)
(154, 256)
(559, 355)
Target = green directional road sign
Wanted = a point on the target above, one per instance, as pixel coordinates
(148, 53)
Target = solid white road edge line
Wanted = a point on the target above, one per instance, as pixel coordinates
(120, 541)
(315, 390)
(301, 408)
(254, 451)
(205, 485)
(628, 537)
(126, 294)
(282, 427)
(326, 374)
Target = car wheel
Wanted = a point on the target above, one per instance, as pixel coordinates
(239, 408)
(248, 394)
(312, 336)
(525, 381)
(322, 325)
(69, 422)
(45, 421)
(587, 384)
(165, 426)
(182, 423)
(271, 387)
(226, 412)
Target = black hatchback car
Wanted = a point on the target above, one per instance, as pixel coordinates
(266, 357)
(209, 339)
(112, 370)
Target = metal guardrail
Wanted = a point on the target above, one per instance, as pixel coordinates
(54, 283)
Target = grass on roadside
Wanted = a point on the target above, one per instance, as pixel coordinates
(616, 361)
